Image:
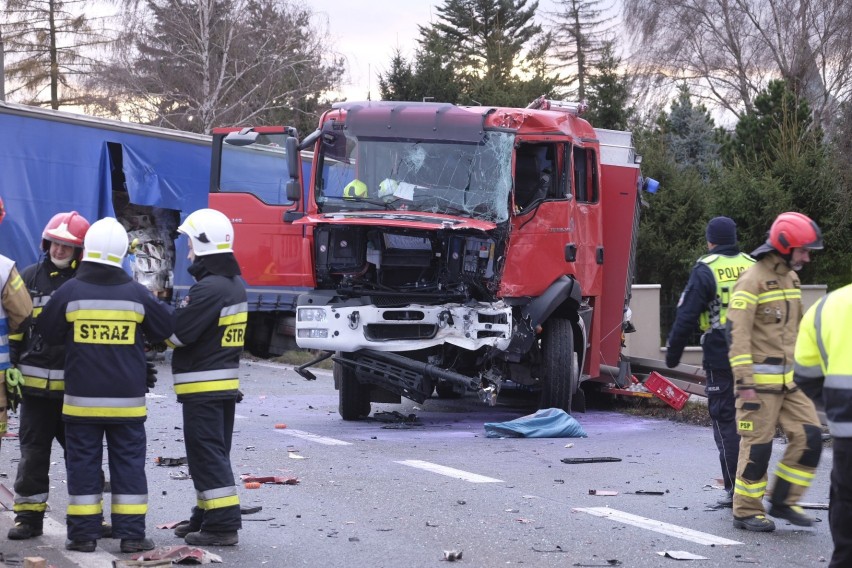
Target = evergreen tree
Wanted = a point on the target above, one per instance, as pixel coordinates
(398, 83)
(581, 32)
(609, 93)
(691, 137)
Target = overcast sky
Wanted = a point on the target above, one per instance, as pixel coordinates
(367, 32)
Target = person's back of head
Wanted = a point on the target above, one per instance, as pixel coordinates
(721, 231)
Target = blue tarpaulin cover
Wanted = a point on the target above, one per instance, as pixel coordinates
(545, 423)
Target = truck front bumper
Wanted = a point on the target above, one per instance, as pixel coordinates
(350, 328)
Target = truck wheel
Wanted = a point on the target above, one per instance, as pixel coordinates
(559, 372)
(354, 397)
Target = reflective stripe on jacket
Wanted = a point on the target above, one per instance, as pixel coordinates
(823, 358)
(764, 316)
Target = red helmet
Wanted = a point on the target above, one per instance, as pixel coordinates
(66, 229)
(794, 230)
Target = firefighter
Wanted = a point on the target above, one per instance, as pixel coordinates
(823, 370)
(42, 369)
(16, 306)
(208, 340)
(705, 300)
(103, 318)
(764, 316)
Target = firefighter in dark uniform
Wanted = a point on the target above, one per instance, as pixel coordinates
(16, 306)
(103, 318)
(823, 370)
(42, 368)
(208, 340)
(763, 317)
(705, 301)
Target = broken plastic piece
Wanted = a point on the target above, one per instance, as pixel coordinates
(602, 492)
(589, 460)
(246, 510)
(252, 485)
(643, 492)
(280, 426)
(452, 555)
(681, 555)
(177, 554)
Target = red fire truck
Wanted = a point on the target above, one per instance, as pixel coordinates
(454, 249)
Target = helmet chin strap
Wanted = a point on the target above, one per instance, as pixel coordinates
(61, 263)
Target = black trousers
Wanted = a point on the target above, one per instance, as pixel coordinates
(41, 423)
(840, 503)
(84, 446)
(723, 414)
(208, 428)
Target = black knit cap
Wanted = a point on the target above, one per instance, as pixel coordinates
(722, 231)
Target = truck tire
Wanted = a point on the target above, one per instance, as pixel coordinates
(354, 398)
(559, 373)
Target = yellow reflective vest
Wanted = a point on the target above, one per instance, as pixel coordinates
(823, 358)
(726, 270)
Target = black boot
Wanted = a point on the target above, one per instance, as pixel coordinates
(185, 527)
(81, 545)
(210, 538)
(136, 544)
(23, 531)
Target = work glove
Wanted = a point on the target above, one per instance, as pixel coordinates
(14, 380)
(151, 377)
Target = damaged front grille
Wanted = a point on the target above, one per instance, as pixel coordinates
(387, 332)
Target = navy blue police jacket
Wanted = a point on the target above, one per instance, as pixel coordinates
(700, 291)
(103, 319)
(210, 331)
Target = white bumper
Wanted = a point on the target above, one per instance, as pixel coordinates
(414, 327)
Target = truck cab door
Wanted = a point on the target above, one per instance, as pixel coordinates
(249, 183)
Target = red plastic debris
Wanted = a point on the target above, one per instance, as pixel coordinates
(270, 479)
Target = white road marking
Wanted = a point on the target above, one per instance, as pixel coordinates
(656, 526)
(450, 472)
(314, 437)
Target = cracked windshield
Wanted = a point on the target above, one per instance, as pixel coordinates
(461, 179)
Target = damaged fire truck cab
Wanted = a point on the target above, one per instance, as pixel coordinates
(457, 248)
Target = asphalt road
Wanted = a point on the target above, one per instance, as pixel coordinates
(377, 494)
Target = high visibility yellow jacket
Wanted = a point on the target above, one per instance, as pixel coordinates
(823, 367)
(763, 318)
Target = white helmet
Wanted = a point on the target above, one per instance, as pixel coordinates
(105, 242)
(210, 232)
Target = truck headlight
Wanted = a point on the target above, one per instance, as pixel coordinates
(311, 314)
(313, 333)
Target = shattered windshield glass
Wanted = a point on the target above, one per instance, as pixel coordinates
(451, 178)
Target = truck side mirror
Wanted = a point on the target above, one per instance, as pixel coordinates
(294, 190)
(291, 147)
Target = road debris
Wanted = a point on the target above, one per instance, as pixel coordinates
(643, 492)
(280, 426)
(681, 555)
(545, 423)
(274, 479)
(179, 475)
(170, 462)
(395, 416)
(590, 460)
(452, 555)
(602, 492)
(246, 510)
(295, 456)
(180, 554)
(252, 485)
(612, 562)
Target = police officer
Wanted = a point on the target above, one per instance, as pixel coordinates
(705, 300)
(103, 318)
(15, 308)
(42, 368)
(823, 370)
(208, 340)
(764, 316)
